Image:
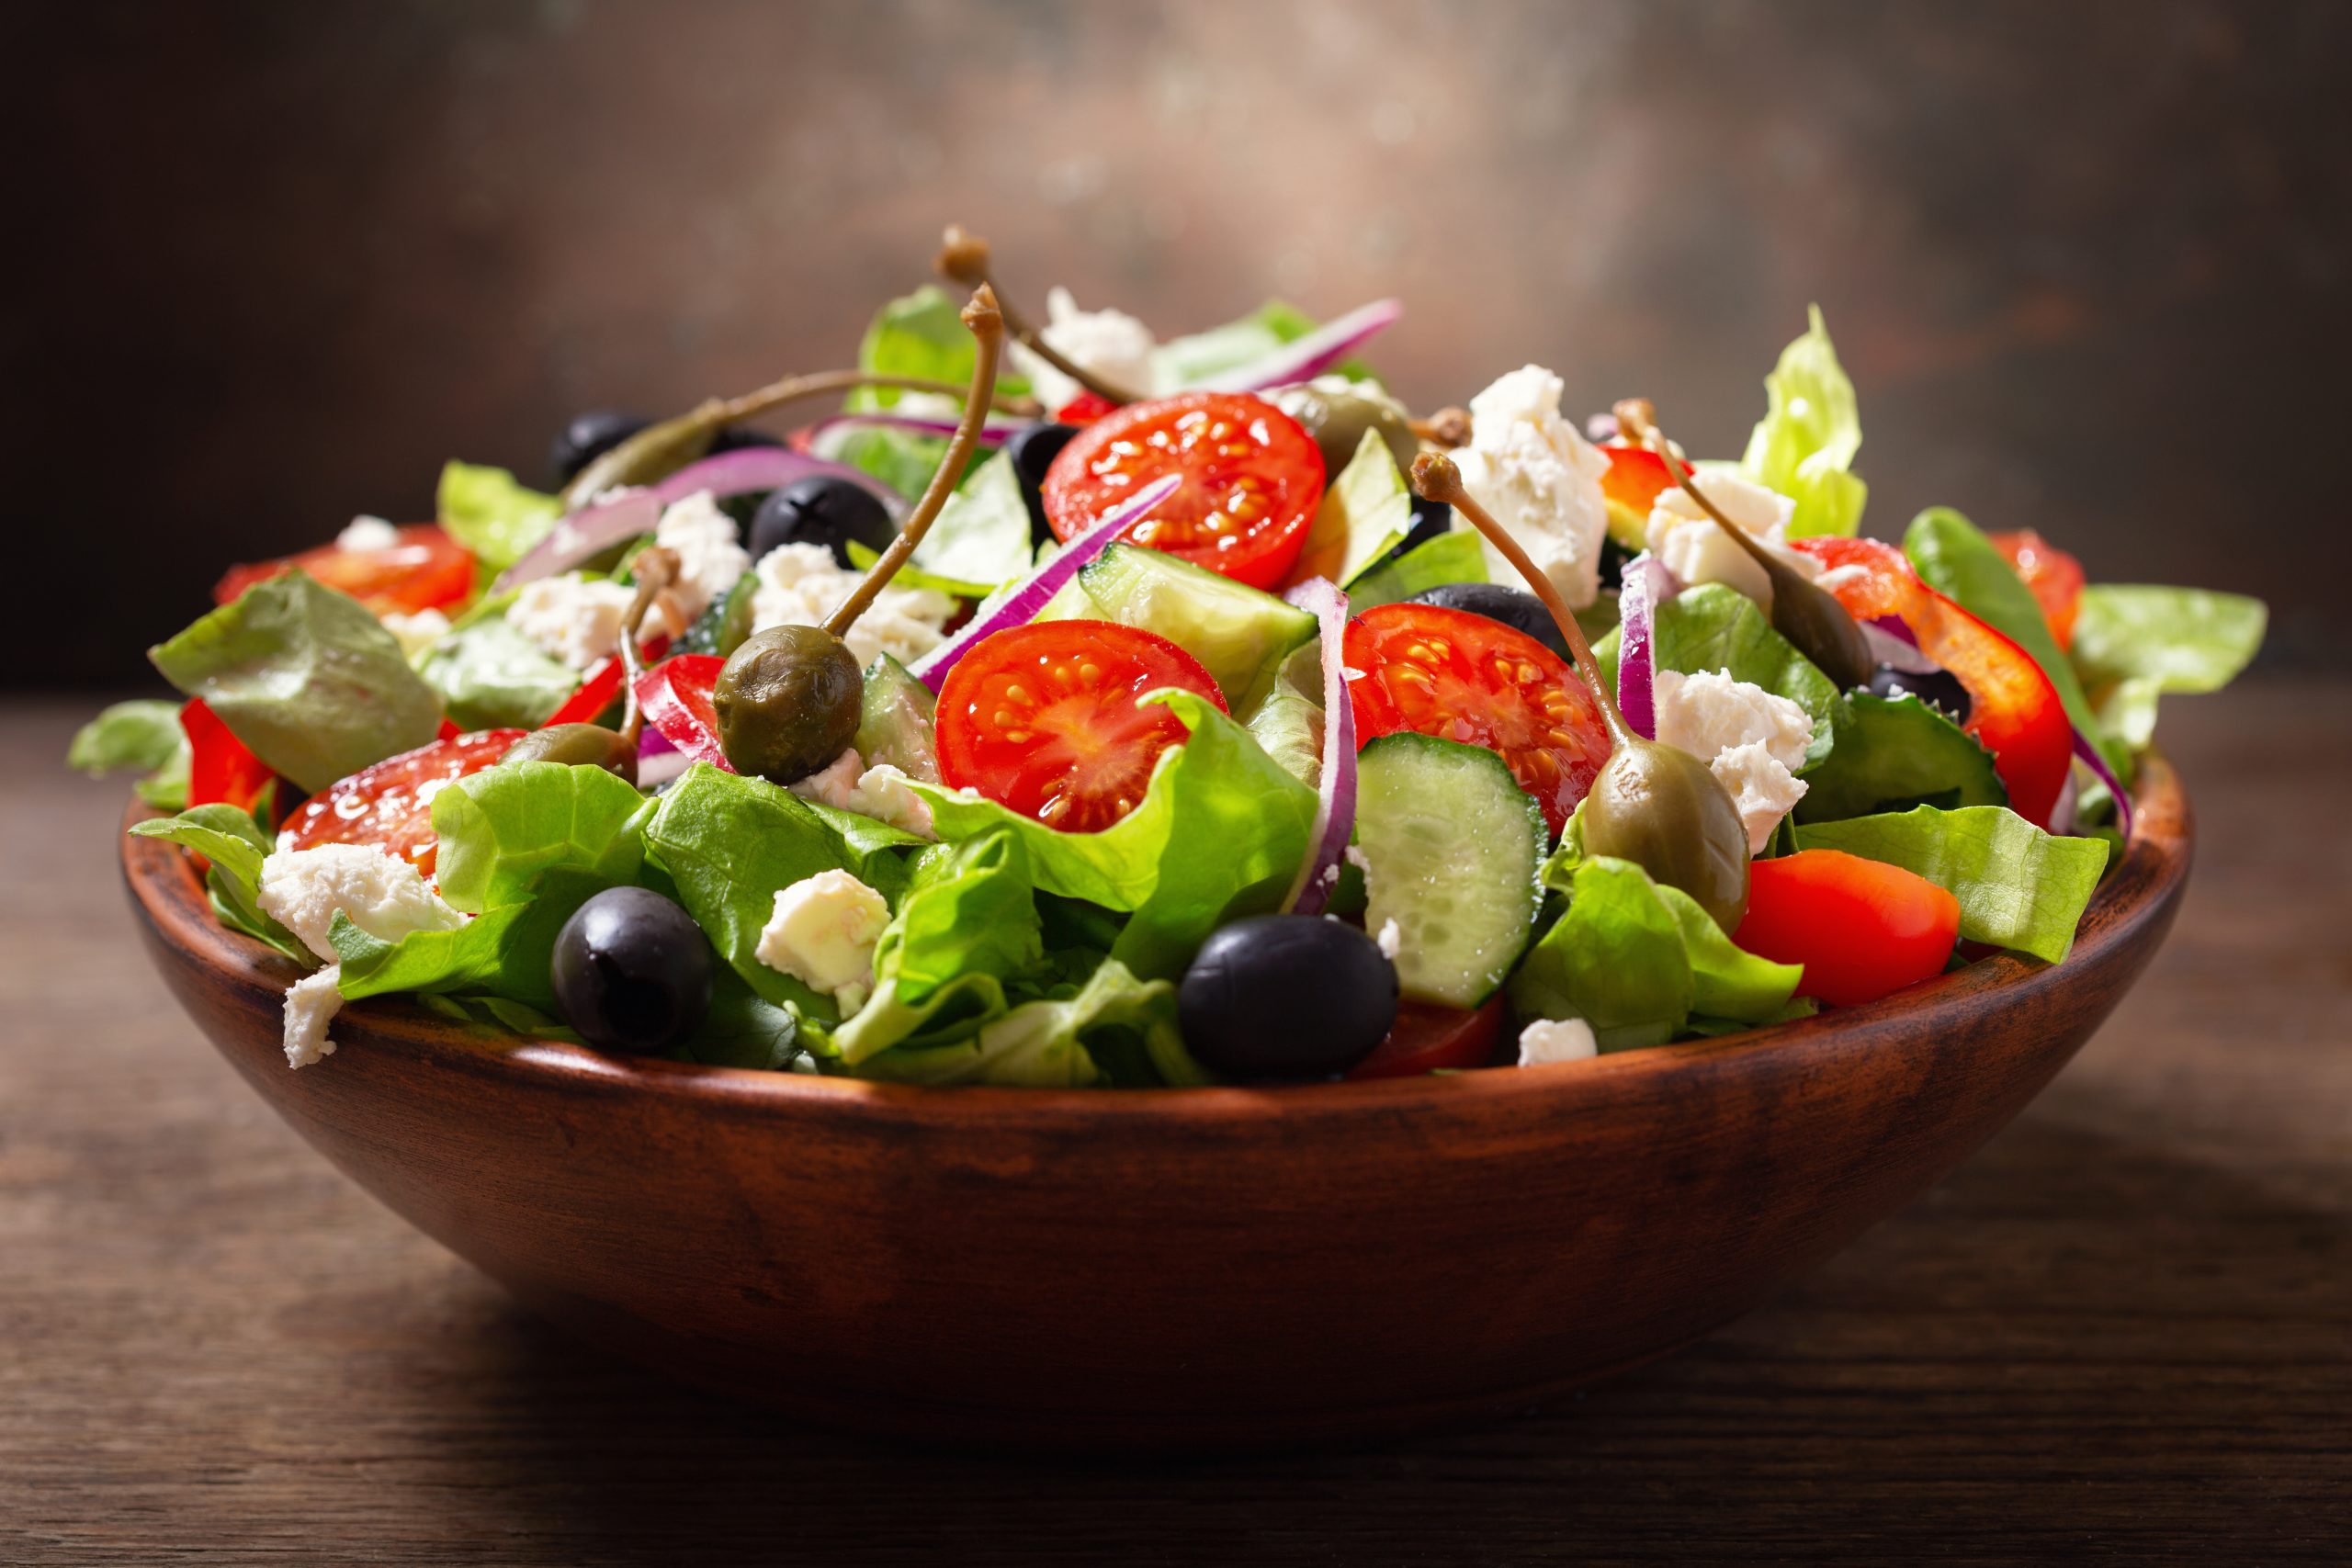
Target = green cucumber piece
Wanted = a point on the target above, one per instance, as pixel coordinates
(1893, 753)
(1450, 846)
(1239, 634)
(895, 722)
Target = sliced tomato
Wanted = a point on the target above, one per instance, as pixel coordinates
(1252, 480)
(390, 804)
(2015, 711)
(220, 768)
(2054, 578)
(426, 570)
(1463, 677)
(1635, 479)
(676, 697)
(1427, 1038)
(1043, 718)
(1085, 409)
(1862, 928)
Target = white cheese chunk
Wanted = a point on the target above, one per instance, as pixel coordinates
(835, 784)
(1110, 344)
(708, 547)
(1541, 480)
(1390, 940)
(366, 533)
(881, 792)
(572, 618)
(1753, 740)
(312, 1003)
(1695, 548)
(417, 632)
(802, 584)
(823, 933)
(1557, 1040)
(303, 890)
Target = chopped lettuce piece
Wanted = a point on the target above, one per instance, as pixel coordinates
(1218, 790)
(980, 537)
(1954, 557)
(1893, 753)
(490, 676)
(485, 509)
(2018, 887)
(967, 927)
(1715, 627)
(236, 845)
(921, 334)
(504, 829)
(305, 677)
(1457, 556)
(1183, 361)
(2134, 642)
(504, 952)
(1367, 510)
(1289, 725)
(144, 734)
(1804, 445)
(743, 1029)
(1114, 1028)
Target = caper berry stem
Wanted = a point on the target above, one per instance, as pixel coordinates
(1637, 421)
(1447, 427)
(964, 258)
(985, 321)
(1435, 478)
(656, 570)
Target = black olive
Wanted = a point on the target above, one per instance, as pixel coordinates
(588, 437)
(631, 971)
(1286, 997)
(742, 437)
(1033, 450)
(1430, 518)
(822, 509)
(1937, 688)
(1613, 556)
(1513, 607)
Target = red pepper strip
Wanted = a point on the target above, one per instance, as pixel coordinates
(601, 686)
(2015, 711)
(220, 768)
(675, 696)
(1637, 477)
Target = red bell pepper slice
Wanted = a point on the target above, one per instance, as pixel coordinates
(219, 769)
(675, 696)
(600, 686)
(2015, 711)
(1637, 477)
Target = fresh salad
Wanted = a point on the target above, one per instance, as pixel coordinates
(1040, 702)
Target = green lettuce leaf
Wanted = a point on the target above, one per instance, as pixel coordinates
(504, 829)
(2018, 887)
(1715, 627)
(236, 845)
(504, 953)
(968, 908)
(921, 334)
(1366, 510)
(485, 509)
(1954, 557)
(1114, 1027)
(144, 734)
(1288, 726)
(980, 537)
(743, 1029)
(1183, 361)
(490, 676)
(1893, 753)
(1219, 789)
(2135, 642)
(1457, 556)
(306, 678)
(1804, 445)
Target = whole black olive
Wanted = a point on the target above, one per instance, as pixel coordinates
(1513, 607)
(1937, 688)
(1286, 997)
(822, 509)
(1430, 518)
(588, 437)
(631, 971)
(789, 702)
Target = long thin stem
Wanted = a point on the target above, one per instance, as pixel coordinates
(792, 388)
(964, 258)
(1636, 419)
(986, 322)
(656, 570)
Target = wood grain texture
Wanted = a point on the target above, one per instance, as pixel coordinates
(2121, 1329)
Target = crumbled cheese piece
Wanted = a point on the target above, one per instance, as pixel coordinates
(709, 551)
(1110, 344)
(304, 889)
(1752, 740)
(1557, 1040)
(417, 632)
(1695, 548)
(879, 791)
(1540, 479)
(823, 933)
(834, 784)
(572, 618)
(366, 533)
(312, 1003)
(1391, 941)
(801, 584)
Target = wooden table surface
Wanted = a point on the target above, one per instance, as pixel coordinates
(2122, 1330)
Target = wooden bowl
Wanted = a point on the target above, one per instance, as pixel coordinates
(1166, 1267)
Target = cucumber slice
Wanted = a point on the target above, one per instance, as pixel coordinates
(1239, 634)
(1451, 846)
(895, 722)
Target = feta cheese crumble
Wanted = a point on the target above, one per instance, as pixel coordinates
(1390, 940)
(1695, 548)
(1110, 344)
(1751, 739)
(801, 584)
(882, 792)
(572, 618)
(1557, 1040)
(709, 551)
(1541, 480)
(312, 1003)
(417, 632)
(303, 890)
(823, 933)
(366, 533)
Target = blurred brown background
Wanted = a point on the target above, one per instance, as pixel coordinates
(2086, 261)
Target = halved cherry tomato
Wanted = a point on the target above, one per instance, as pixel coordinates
(1043, 718)
(1635, 479)
(1463, 677)
(2015, 710)
(676, 697)
(389, 805)
(2054, 578)
(1427, 1038)
(1253, 480)
(1862, 928)
(220, 768)
(426, 570)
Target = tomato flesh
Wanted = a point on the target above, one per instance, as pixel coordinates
(2053, 577)
(1463, 677)
(1043, 719)
(426, 570)
(389, 805)
(1428, 1038)
(1862, 928)
(676, 698)
(1250, 481)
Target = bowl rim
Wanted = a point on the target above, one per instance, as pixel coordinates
(165, 885)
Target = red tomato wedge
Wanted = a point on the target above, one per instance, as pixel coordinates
(1636, 477)
(2054, 578)
(1043, 719)
(426, 570)
(1463, 677)
(1252, 478)
(1427, 1038)
(219, 769)
(675, 696)
(1861, 928)
(390, 804)
(2014, 709)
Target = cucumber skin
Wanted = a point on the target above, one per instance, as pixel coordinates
(1414, 759)
(1155, 592)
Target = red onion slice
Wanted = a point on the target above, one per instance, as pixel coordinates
(1892, 644)
(1647, 582)
(605, 523)
(1309, 355)
(1335, 794)
(2087, 753)
(1020, 604)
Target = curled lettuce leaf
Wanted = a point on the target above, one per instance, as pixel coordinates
(1115, 1028)
(980, 537)
(1366, 510)
(1715, 627)
(2018, 887)
(1893, 753)
(485, 509)
(502, 830)
(2135, 642)
(504, 953)
(235, 845)
(490, 676)
(144, 734)
(1804, 445)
